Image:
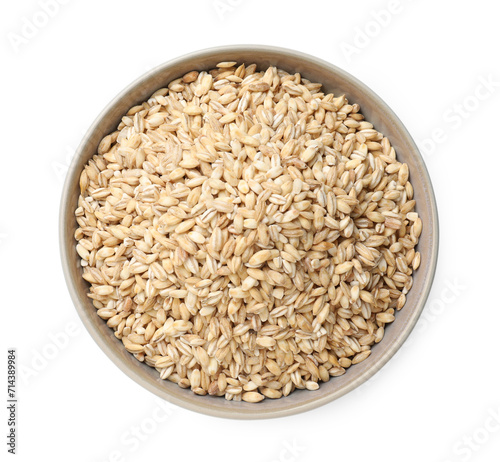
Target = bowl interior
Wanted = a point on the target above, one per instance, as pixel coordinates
(334, 80)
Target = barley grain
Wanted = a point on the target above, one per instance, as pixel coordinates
(247, 234)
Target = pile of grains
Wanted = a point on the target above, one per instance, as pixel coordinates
(246, 234)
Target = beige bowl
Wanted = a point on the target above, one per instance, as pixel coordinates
(334, 80)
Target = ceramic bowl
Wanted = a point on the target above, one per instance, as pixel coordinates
(334, 80)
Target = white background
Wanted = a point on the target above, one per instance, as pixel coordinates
(437, 400)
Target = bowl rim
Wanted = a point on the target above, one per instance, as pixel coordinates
(188, 402)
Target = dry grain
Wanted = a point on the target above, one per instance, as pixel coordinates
(246, 234)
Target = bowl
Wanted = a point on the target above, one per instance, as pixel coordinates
(334, 80)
